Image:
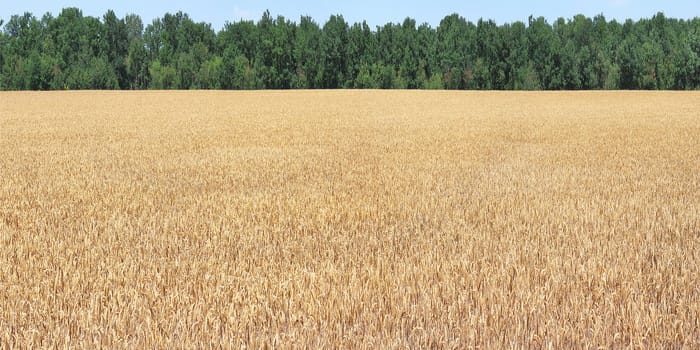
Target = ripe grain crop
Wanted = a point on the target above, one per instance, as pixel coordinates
(350, 219)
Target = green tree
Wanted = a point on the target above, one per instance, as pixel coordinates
(306, 55)
(456, 52)
(426, 46)
(360, 54)
(435, 82)
(334, 40)
(117, 45)
(236, 71)
(72, 51)
(137, 65)
(540, 40)
(514, 55)
(365, 79)
(136, 60)
(162, 76)
(3, 47)
(209, 74)
(186, 69)
(102, 75)
(243, 36)
(386, 75)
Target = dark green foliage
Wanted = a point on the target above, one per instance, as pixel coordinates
(307, 55)
(72, 51)
(334, 42)
(114, 33)
(162, 76)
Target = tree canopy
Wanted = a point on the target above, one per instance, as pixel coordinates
(73, 51)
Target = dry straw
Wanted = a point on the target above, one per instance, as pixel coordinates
(347, 219)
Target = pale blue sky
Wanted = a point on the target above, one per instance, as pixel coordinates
(376, 12)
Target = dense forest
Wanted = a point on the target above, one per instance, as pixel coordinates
(72, 51)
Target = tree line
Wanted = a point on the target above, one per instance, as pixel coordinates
(72, 51)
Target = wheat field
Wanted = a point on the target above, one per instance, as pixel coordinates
(350, 219)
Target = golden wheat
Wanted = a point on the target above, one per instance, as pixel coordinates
(352, 219)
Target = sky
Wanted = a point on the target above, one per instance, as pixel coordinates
(375, 12)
